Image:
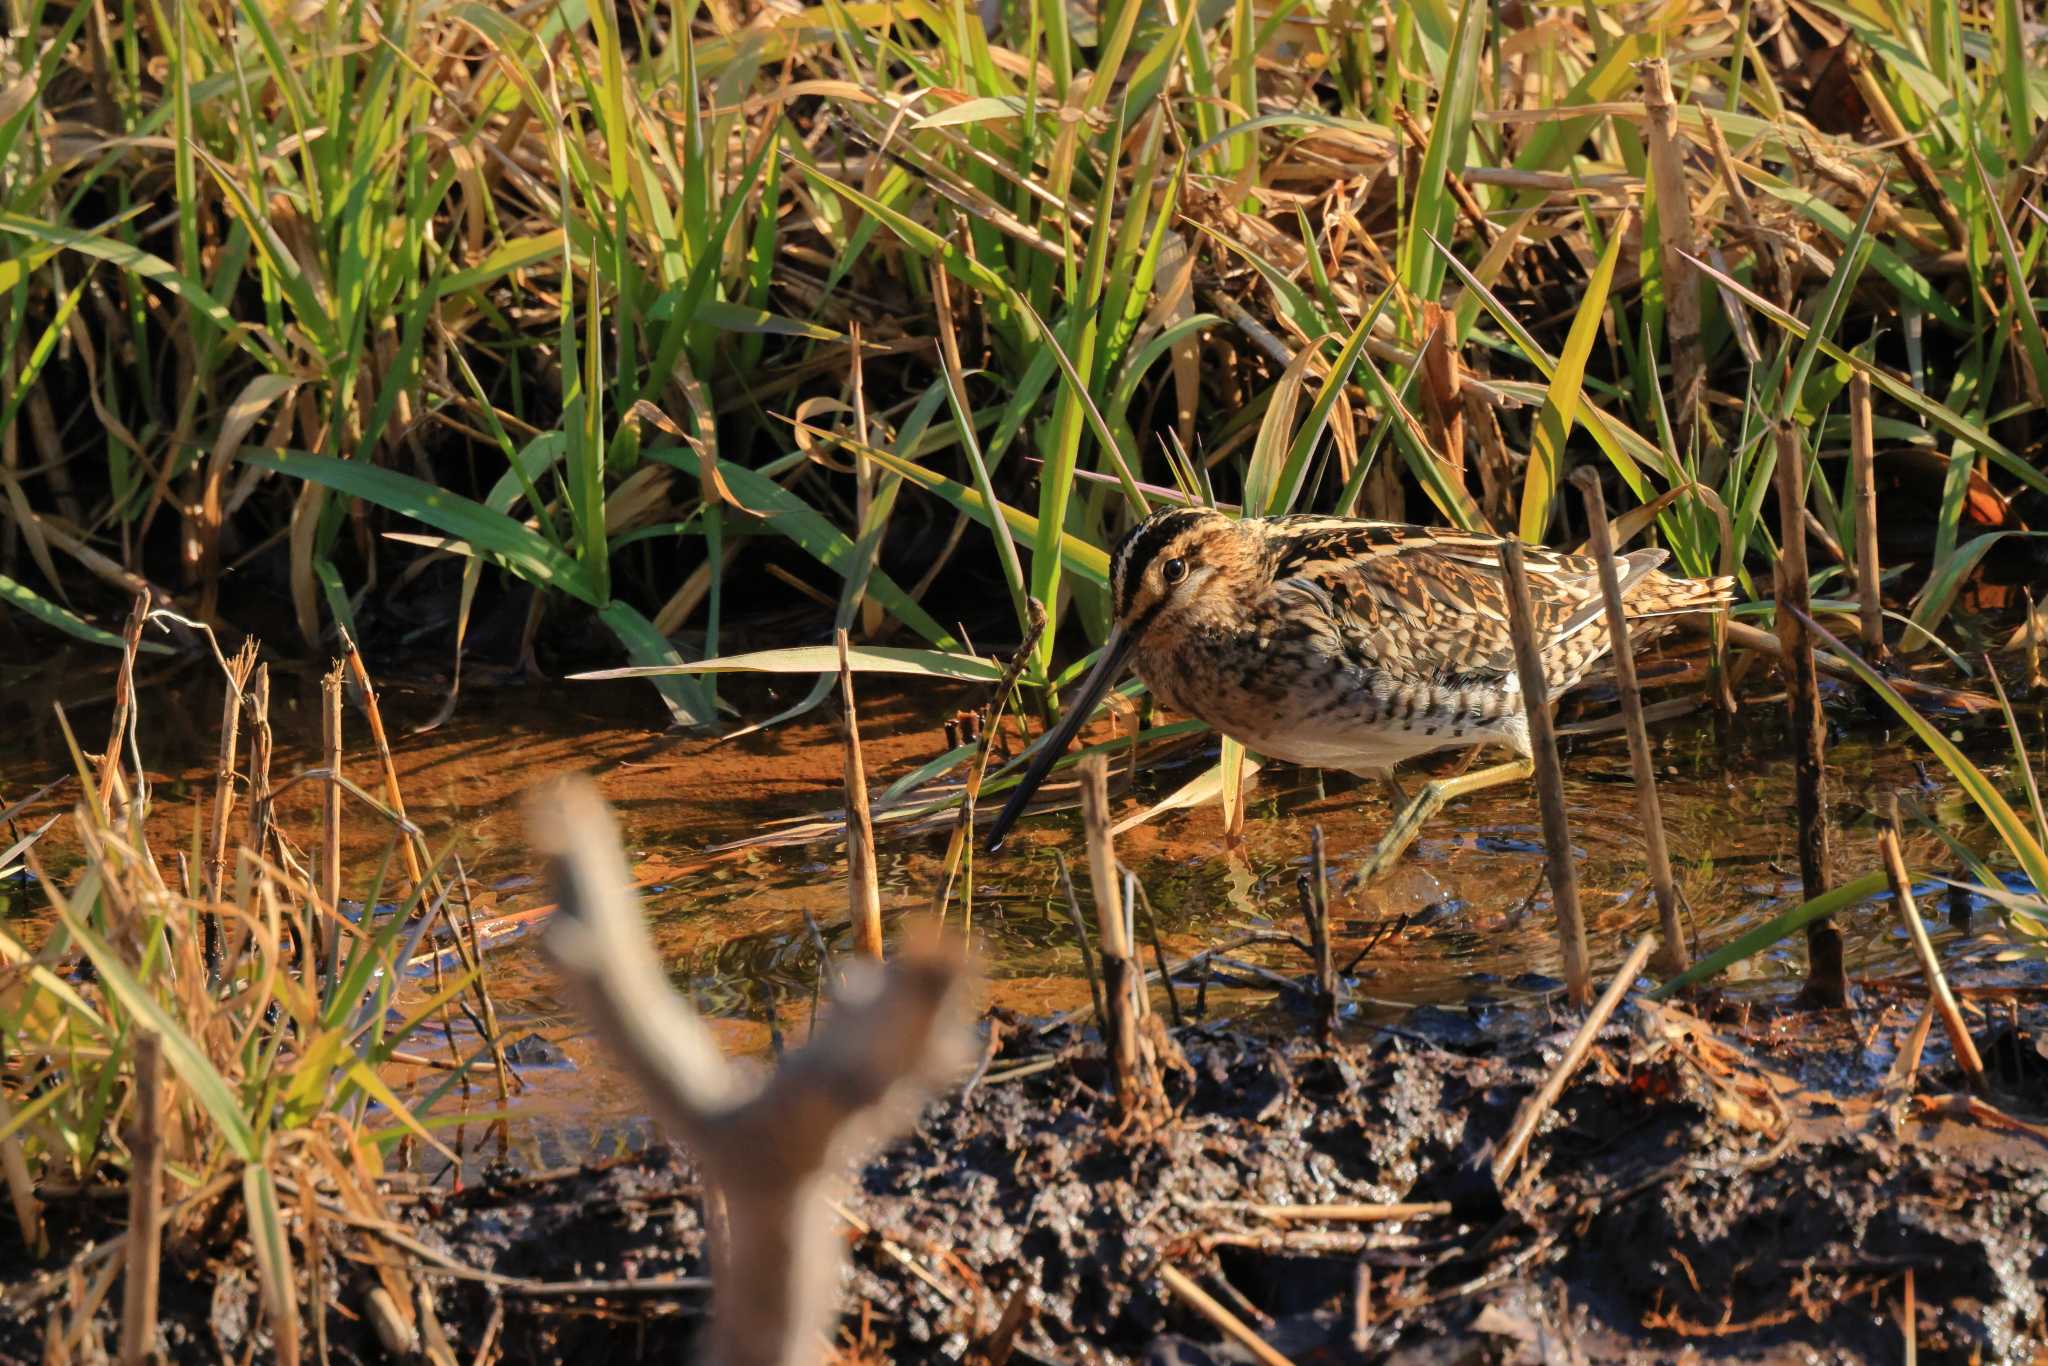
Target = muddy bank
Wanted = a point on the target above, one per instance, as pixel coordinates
(1757, 1188)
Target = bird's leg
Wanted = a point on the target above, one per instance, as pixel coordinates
(1396, 797)
(1430, 800)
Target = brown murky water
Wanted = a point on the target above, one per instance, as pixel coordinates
(733, 928)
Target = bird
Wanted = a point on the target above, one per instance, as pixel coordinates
(1341, 643)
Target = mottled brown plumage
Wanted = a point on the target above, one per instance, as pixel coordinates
(1350, 644)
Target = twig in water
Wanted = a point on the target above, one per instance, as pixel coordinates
(863, 889)
(327, 916)
(1930, 966)
(1159, 954)
(1827, 980)
(1599, 542)
(124, 700)
(1081, 938)
(1139, 1092)
(1557, 835)
(1314, 886)
(238, 670)
(361, 676)
(824, 970)
(1384, 933)
(1537, 1105)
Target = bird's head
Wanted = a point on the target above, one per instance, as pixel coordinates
(1167, 564)
(1160, 573)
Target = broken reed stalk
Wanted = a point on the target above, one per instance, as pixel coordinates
(1600, 542)
(772, 1153)
(260, 748)
(1232, 1327)
(1676, 247)
(224, 802)
(1123, 980)
(1315, 911)
(124, 699)
(327, 920)
(1862, 458)
(1557, 835)
(392, 796)
(1827, 981)
(1443, 388)
(1539, 1103)
(1081, 938)
(863, 885)
(1930, 966)
(145, 1203)
(1159, 955)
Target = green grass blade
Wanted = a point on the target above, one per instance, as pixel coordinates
(1561, 402)
(2019, 841)
(512, 544)
(1770, 932)
(50, 614)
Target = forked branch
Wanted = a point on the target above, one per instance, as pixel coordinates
(770, 1151)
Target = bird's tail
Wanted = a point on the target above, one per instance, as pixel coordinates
(1661, 595)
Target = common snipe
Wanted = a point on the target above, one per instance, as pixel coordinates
(1349, 644)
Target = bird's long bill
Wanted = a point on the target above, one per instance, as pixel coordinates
(1115, 652)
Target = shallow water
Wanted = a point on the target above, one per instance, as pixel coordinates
(732, 926)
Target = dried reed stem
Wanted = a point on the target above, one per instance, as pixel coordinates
(1677, 246)
(392, 795)
(1538, 1104)
(1081, 938)
(1862, 454)
(1907, 149)
(1123, 981)
(145, 1203)
(1315, 911)
(1557, 835)
(1930, 966)
(863, 887)
(326, 922)
(239, 669)
(1352, 1213)
(1209, 1308)
(260, 748)
(124, 699)
(772, 1153)
(1827, 982)
(215, 871)
(1443, 388)
(1600, 542)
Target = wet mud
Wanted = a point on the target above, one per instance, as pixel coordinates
(1757, 1187)
(1739, 1183)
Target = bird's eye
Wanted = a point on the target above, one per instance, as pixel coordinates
(1174, 571)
